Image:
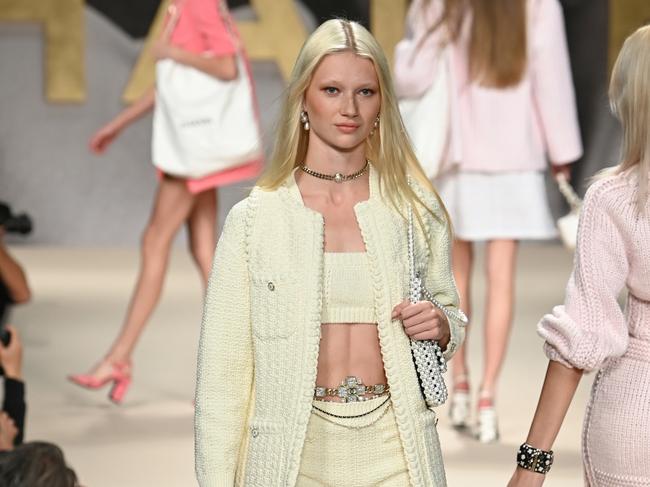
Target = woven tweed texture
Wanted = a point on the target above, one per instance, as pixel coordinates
(258, 350)
(591, 332)
(332, 457)
(348, 294)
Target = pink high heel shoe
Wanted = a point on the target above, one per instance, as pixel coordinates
(120, 376)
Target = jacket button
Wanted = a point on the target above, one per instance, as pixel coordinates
(271, 286)
(255, 432)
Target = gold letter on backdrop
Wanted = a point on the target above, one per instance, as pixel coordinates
(63, 27)
(387, 23)
(276, 36)
(625, 16)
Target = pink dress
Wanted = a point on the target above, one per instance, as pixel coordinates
(201, 29)
(591, 332)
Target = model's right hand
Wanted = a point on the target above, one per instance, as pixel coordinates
(103, 137)
(526, 478)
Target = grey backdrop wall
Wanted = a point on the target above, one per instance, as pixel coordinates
(46, 169)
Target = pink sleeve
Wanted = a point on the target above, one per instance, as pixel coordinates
(552, 83)
(591, 328)
(415, 68)
(211, 26)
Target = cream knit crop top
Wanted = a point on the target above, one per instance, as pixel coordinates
(347, 289)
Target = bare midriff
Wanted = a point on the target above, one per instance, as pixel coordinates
(349, 349)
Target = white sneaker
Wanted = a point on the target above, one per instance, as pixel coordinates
(487, 430)
(459, 409)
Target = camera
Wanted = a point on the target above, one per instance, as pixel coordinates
(21, 223)
(5, 304)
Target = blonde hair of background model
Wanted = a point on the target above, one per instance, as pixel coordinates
(388, 148)
(497, 43)
(629, 95)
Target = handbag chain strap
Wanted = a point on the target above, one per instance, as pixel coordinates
(227, 21)
(427, 355)
(568, 192)
(417, 288)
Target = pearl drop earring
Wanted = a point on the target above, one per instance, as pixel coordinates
(304, 119)
(374, 126)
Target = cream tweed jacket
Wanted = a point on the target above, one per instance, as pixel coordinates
(261, 328)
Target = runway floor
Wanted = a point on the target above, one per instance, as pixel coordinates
(79, 297)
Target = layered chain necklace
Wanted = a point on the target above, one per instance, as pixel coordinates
(338, 177)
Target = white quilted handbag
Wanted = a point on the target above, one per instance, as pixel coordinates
(568, 224)
(427, 118)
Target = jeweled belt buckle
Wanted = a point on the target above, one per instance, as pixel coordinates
(352, 389)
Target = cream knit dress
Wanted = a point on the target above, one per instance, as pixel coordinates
(591, 332)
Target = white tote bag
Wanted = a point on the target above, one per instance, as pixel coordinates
(202, 124)
(427, 118)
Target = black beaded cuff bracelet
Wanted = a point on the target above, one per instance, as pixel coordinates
(534, 459)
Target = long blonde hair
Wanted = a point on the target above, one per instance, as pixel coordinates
(388, 148)
(497, 44)
(629, 95)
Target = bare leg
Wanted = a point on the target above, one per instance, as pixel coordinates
(462, 260)
(500, 268)
(172, 207)
(202, 226)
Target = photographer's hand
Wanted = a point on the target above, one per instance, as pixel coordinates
(11, 356)
(8, 432)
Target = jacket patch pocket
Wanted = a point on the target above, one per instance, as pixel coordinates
(270, 306)
(265, 453)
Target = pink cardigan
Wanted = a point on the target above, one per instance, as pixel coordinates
(613, 252)
(498, 130)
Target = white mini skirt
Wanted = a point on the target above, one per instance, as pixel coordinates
(492, 206)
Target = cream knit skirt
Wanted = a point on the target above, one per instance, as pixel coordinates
(356, 452)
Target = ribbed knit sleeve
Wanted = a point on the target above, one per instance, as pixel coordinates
(591, 328)
(225, 361)
(440, 278)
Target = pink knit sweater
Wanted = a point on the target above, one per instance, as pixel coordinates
(591, 332)
(613, 252)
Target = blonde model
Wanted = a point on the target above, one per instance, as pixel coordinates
(205, 38)
(513, 109)
(591, 332)
(305, 375)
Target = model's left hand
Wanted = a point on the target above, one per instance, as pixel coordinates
(422, 320)
(563, 169)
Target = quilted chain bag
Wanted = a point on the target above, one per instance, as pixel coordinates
(427, 354)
